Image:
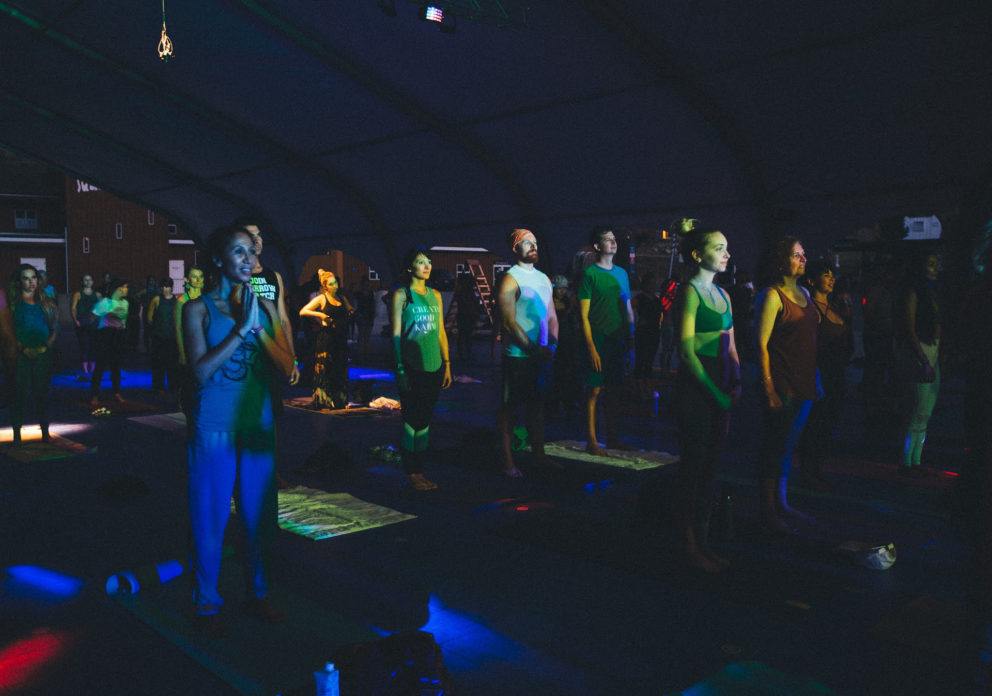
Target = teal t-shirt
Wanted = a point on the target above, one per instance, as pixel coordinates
(421, 344)
(31, 324)
(608, 292)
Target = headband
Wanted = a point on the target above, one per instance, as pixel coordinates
(518, 235)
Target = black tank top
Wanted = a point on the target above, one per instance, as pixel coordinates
(265, 285)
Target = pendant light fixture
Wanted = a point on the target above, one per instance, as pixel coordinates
(164, 43)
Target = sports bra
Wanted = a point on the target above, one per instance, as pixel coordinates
(709, 319)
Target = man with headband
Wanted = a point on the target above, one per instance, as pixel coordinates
(608, 326)
(530, 335)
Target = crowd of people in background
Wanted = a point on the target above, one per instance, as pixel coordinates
(227, 345)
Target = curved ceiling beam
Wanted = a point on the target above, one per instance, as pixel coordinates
(650, 48)
(107, 141)
(406, 104)
(27, 154)
(218, 120)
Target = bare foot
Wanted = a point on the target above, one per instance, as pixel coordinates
(719, 560)
(701, 561)
(422, 483)
(775, 525)
(797, 514)
(594, 448)
(513, 472)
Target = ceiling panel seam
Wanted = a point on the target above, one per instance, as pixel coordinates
(389, 94)
(219, 120)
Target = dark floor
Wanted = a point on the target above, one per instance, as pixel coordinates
(564, 582)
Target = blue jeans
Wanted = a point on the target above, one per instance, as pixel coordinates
(216, 461)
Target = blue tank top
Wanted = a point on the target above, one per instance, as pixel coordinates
(30, 324)
(237, 396)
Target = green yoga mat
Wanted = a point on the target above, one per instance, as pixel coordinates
(317, 514)
(254, 658)
(755, 679)
(637, 460)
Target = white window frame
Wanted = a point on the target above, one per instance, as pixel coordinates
(373, 274)
(173, 230)
(119, 230)
(25, 219)
(86, 245)
(151, 217)
(501, 268)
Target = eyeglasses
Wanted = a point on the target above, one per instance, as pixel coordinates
(798, 255)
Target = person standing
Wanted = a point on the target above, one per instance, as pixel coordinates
(423, 364)
(709, 383)
(35, 318)
(918, 355)
(647, 335)
(81, 308)
(233, 340)
(530, 337)
(608, 327)
(467, 310)
(268, 283)
(787, 328)
(330, 365)
(111, 334)
(162, 337)
(834, 347)
(187, 387)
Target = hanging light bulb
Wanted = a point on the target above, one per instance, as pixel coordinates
(164, 43)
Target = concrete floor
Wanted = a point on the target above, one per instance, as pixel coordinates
(565, 582)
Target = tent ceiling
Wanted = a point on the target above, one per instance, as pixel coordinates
(346, 127)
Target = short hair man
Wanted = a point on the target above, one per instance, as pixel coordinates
(608, 327)
(268, 283)
(530, 332)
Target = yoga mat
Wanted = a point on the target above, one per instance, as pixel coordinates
(755, 679)
(317, 514)
(173, 422)
(637, 460)
(303, 403)
(254, 657)
(38, 451)
(123, 408)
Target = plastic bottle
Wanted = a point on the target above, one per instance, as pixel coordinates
(328, 681)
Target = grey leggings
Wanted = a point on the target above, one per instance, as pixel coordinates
(924, 397)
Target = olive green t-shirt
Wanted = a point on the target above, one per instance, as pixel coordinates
(608, 292)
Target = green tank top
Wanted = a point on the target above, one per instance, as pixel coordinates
(709, 319)
(421, 344)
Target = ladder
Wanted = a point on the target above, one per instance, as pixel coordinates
(482, 285)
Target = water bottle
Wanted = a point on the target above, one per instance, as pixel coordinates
(328, 683)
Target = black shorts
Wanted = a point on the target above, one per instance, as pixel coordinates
(525, 379)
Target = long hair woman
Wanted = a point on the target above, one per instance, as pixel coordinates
(330, 365)
(81, 308)
(834, 347)
(787, 328)
(36, 326)
(918, 334)
(423, 368)
(709, 383)
(111, 312)
(233, 341)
